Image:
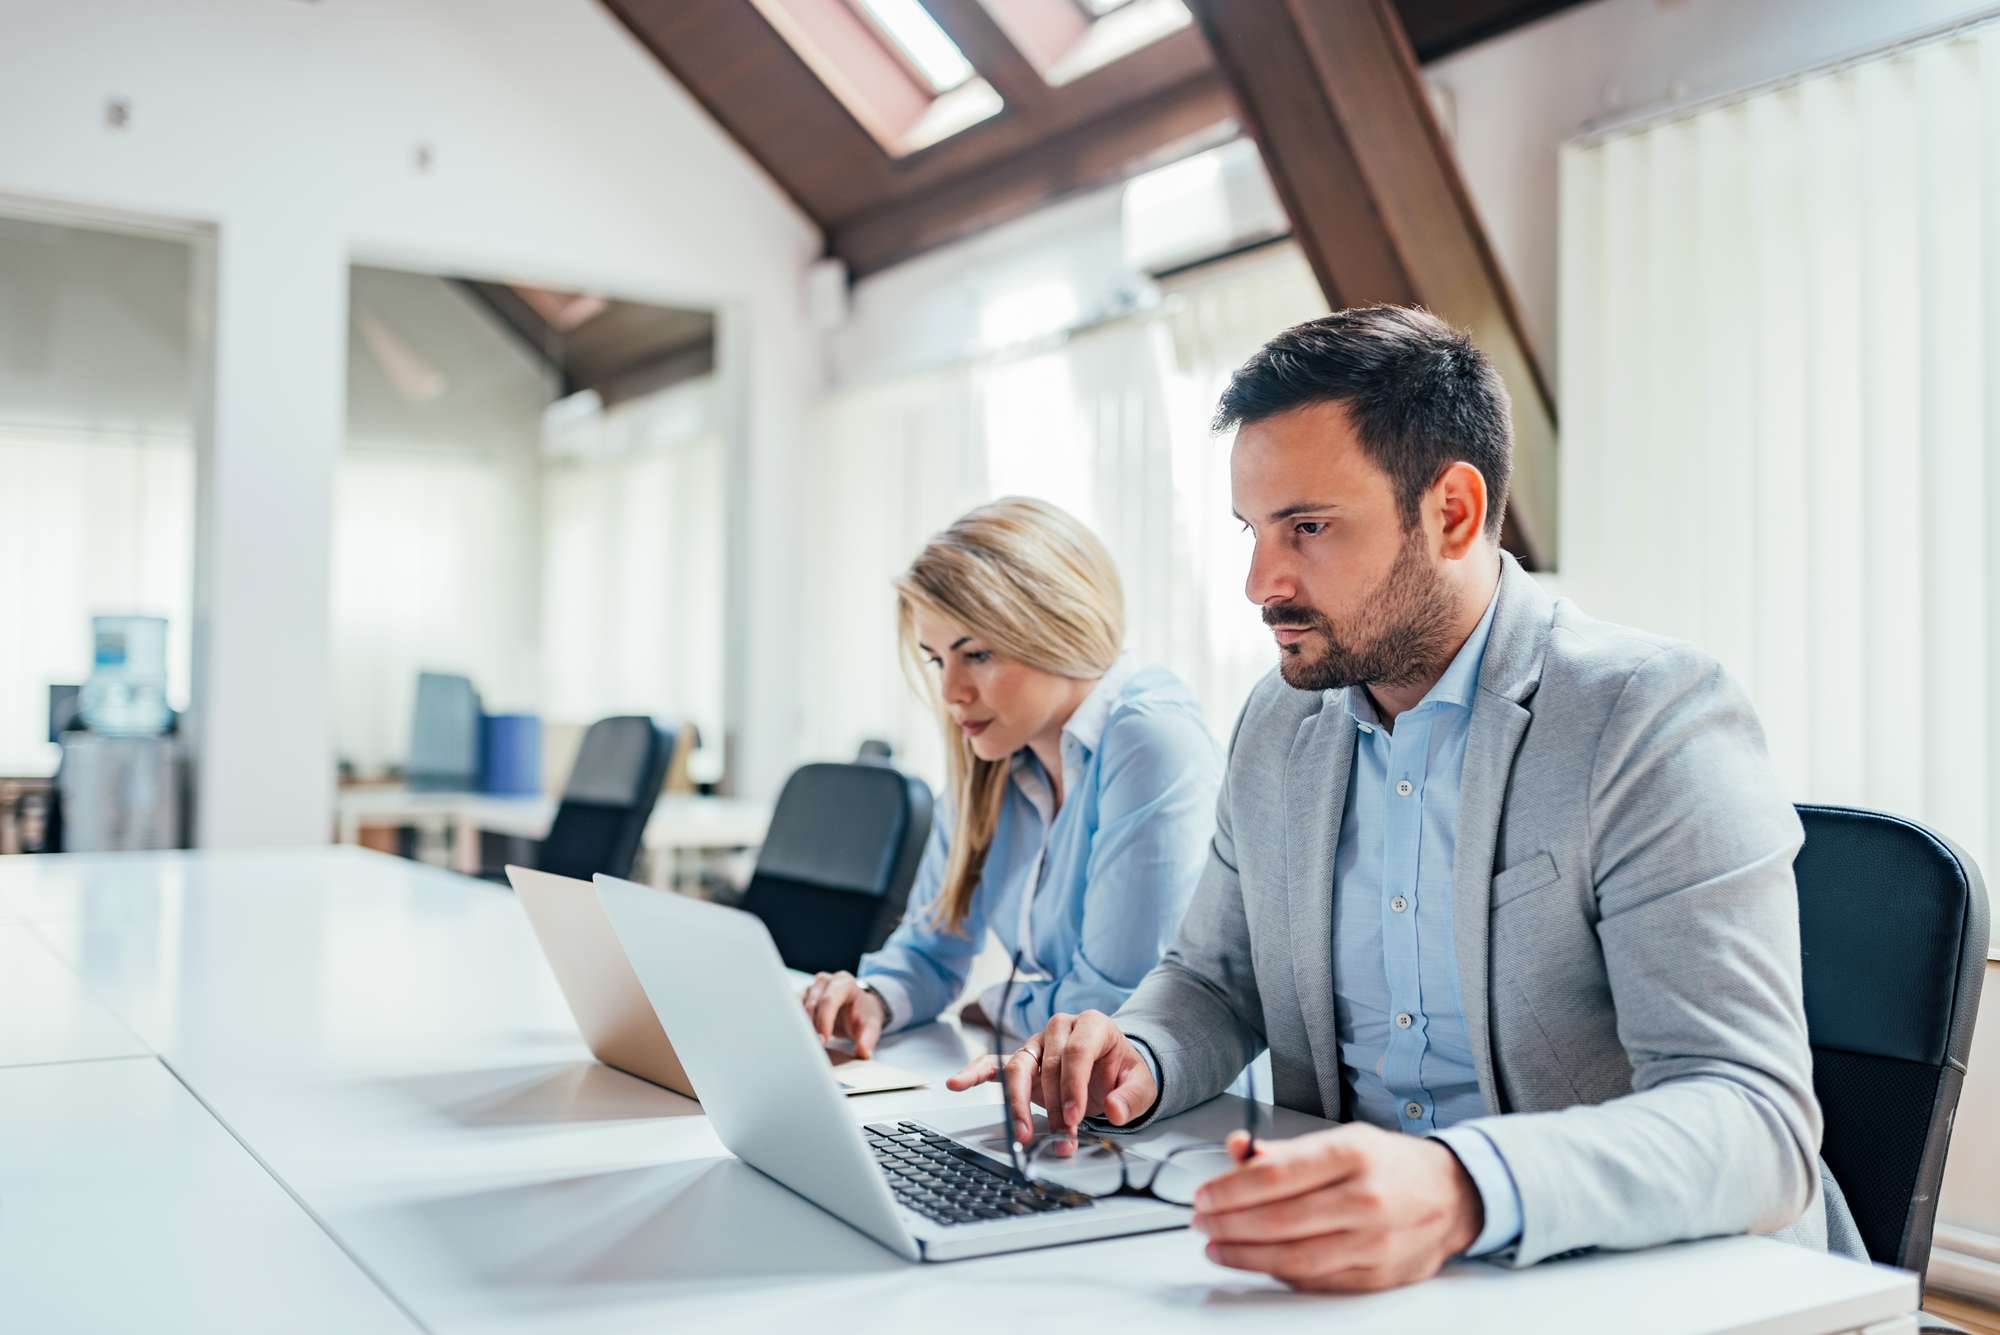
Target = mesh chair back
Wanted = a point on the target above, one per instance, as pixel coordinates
(836, 865)
(1892, 919)
(609, 797)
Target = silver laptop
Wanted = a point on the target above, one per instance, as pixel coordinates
(714, 977)
(611, 1009)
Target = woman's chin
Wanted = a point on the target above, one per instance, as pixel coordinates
(987, 748)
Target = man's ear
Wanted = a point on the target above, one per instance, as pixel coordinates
(1460, 502)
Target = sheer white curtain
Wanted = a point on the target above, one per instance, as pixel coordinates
(1780, 438)
(434, 560)
(1112, 424)
(90, 521)
(635, 529)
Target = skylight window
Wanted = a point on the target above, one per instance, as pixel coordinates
(918, 38)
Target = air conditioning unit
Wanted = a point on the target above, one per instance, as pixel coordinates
(1200, 208)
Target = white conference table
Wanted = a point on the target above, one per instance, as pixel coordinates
(386, 1043)
(680, 821)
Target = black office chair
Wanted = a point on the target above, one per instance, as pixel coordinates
(875, 751)
(836, 865)
(607, 801)
(1893, 922)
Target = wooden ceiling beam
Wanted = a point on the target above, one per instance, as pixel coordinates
(1332, 92)
(993, 54)
(1181, 119)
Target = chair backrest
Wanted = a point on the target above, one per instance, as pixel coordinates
(610, 796)
(1893, 923)
(836, 865)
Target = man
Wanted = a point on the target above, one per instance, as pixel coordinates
(1505, 889)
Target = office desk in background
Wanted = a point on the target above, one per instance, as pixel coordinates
(386, 1042)
(680, 822)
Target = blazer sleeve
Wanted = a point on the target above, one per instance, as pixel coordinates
(1691, 844)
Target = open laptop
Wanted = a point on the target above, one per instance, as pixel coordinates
(610, 1007)
(714, 977)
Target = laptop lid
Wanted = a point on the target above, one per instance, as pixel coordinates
(604, 995)
(713, 974)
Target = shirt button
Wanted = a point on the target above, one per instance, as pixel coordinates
(1399, 903)
(1368, 728)
(1403, 788)
(1413, 1110)
(1404, 1021)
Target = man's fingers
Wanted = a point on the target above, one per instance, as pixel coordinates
(1018, 1079)
(1284, 1168)
(1134, 1093)
(1331, 1210)
(1082, 1048)
(1308, 1259)
(974, 1073)
(1054, 1035)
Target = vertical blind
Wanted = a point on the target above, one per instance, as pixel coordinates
(1110, 424)
(1781, 441)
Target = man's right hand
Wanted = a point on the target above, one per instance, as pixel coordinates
(1079, 1066)
(840, 1007)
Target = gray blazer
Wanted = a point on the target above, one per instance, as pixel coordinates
(1625, 922)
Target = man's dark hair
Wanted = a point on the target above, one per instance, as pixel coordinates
(1420, 395)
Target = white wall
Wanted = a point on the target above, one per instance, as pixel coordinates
(560, 153)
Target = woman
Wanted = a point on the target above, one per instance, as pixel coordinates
(1081, 787)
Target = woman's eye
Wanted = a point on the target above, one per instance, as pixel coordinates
(978, 655)
(935, 662)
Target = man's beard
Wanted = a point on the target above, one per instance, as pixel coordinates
(1402, 635)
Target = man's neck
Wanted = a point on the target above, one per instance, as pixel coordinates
(1476, 595)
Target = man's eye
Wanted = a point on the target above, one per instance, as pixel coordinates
(1309, 528)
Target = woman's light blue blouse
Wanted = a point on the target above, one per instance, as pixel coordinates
(1091, 892)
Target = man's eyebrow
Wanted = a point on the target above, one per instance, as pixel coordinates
(1287, 512)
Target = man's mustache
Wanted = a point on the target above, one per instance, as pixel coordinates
(1293, 614)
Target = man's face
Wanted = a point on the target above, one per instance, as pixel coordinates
(1351, 596)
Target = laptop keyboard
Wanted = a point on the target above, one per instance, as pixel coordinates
(950, 1183)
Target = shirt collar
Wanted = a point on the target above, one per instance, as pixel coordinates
(1459, 682)
(1086, 725)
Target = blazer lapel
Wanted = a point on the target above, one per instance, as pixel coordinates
(1315, 794)
(1500, 716)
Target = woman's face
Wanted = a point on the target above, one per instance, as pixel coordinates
(1000, 705)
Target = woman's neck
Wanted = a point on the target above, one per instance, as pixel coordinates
(1047, 744)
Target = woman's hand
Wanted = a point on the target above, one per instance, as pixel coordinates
(840, 1007)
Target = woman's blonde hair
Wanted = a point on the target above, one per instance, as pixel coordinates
(1039, 588)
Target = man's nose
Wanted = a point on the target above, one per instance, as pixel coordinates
(1270, 580)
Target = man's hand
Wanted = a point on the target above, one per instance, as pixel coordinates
(1351, 1210)
(1078, 1066)
(840, 1007)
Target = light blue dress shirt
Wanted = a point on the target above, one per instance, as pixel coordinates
(1405, 1061)
(1092, 891)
